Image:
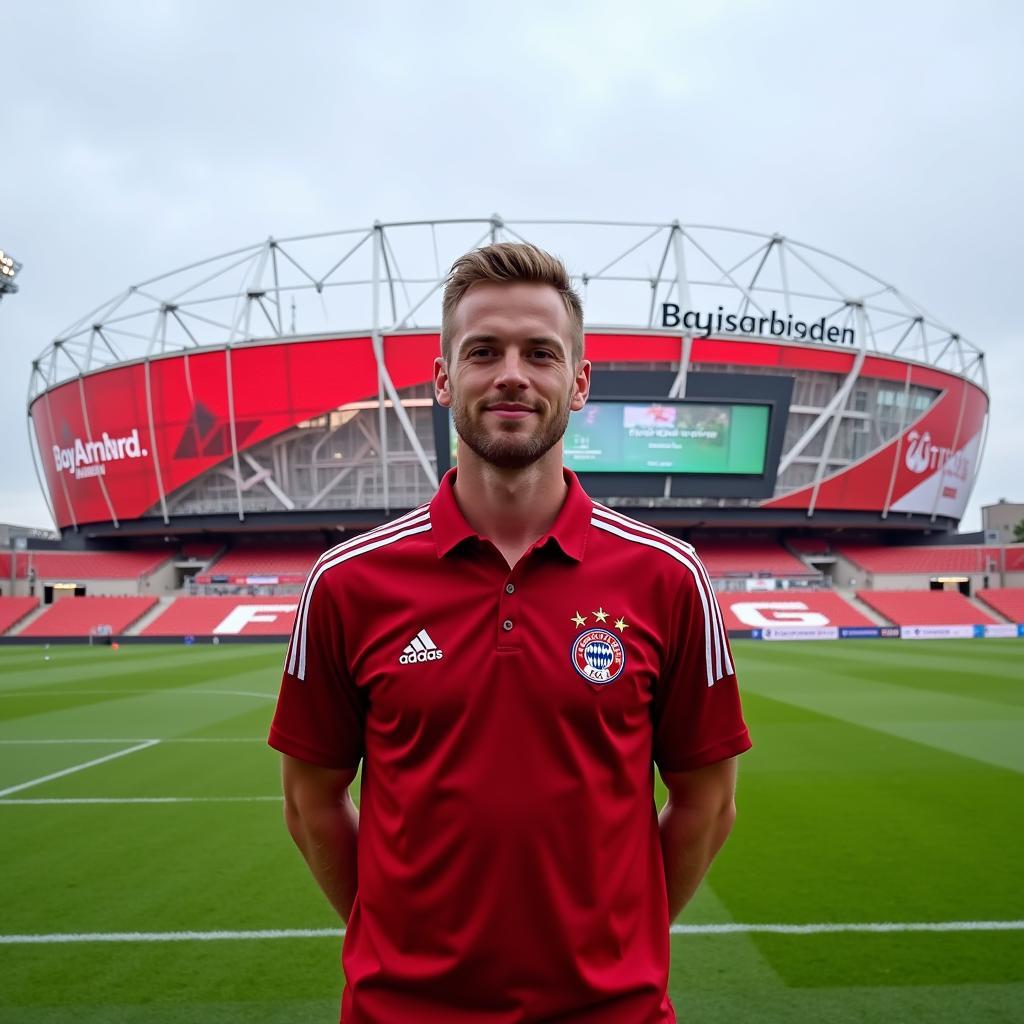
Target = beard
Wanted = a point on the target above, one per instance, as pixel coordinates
(510, 448)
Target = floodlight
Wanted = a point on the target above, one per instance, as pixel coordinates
(9, 268)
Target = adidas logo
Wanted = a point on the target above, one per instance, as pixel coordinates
(420, 648)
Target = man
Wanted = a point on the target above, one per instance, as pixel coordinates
(507, 662)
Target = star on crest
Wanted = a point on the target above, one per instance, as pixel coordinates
(600, 615)
(580, 620)
(621, 624)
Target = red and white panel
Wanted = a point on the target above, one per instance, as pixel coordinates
(785, 608)
(225, 616)
(105, 457)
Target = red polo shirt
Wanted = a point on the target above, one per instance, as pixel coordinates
(510, 869)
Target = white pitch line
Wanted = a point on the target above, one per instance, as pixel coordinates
(63, 801)
(163, 739)
(677, 929)
(178, 691)
(856, 926)
(76, 768)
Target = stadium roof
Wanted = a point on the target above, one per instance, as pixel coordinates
(389, 276)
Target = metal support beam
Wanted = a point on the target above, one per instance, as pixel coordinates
(234, 433)
(678, 388)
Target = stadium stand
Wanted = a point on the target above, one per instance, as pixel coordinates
(789, 608)
(931, 560)
(750, 558)
(200, 550)
(925, 607)
(225, 616)
(14, 609)
(85, 565)
(809, 545)
(79, 616)
(288, 563)
(1007, 601)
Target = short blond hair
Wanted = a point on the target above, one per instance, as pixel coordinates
(510, 263)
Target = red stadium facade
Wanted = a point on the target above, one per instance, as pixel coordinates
(163, 413)
(122, 443)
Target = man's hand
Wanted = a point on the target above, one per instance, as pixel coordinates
(694, 824)
(324, 823)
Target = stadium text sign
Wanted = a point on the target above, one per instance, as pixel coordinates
(89, 458)
(774, 325)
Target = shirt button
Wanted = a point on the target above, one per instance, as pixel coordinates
(506, 625)
(510, 588)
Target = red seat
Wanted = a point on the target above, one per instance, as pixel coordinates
(79, 616)
(14, 609)
(925, 607)
(749, 558)
(225, 616)
(788, 608)
(1008, 601)
(930, 560)
(288, 563)
(71, 566)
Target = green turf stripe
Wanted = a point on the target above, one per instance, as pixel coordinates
(963, 725)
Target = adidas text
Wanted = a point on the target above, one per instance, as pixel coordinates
(411, 658)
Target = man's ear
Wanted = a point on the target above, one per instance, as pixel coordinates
(581, 386)
(441, 391)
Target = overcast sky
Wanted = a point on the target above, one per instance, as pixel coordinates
(135, 137)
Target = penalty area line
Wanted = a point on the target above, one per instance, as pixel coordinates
(676, 929)
(145, 744)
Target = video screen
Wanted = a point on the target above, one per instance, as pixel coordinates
(667, 436)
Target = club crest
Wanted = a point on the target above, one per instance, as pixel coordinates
(598, 656)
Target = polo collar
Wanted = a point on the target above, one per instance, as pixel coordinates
(569, 531)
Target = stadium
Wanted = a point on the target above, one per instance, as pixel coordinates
(205, 434)
(809, 428)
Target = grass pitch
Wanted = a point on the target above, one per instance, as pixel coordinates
(884, 787)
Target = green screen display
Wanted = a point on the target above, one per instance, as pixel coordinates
(667, 437)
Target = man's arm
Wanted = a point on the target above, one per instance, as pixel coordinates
(694, 824)
(324, 823)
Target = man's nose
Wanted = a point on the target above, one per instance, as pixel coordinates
(511, 371)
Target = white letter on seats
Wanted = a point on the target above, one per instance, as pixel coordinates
(776, 613)
(239, 617)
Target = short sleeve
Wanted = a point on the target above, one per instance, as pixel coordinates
(697, 715)
(320, 712)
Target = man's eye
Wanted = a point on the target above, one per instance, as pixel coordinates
(481, 352)
(543, 353)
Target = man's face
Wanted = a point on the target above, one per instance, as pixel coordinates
(510, 380)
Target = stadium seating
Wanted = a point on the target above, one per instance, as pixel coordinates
(788, 608)
(1015, 558)
(749, 558)
(930, 560)
(79, 616)
(288, 563)
(85, 565)
(1008, 601)
(200, 550)
(925, 607)
(14, 609)
(226, 616)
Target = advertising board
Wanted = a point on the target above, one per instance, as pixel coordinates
(800, 633)
(937, 632)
